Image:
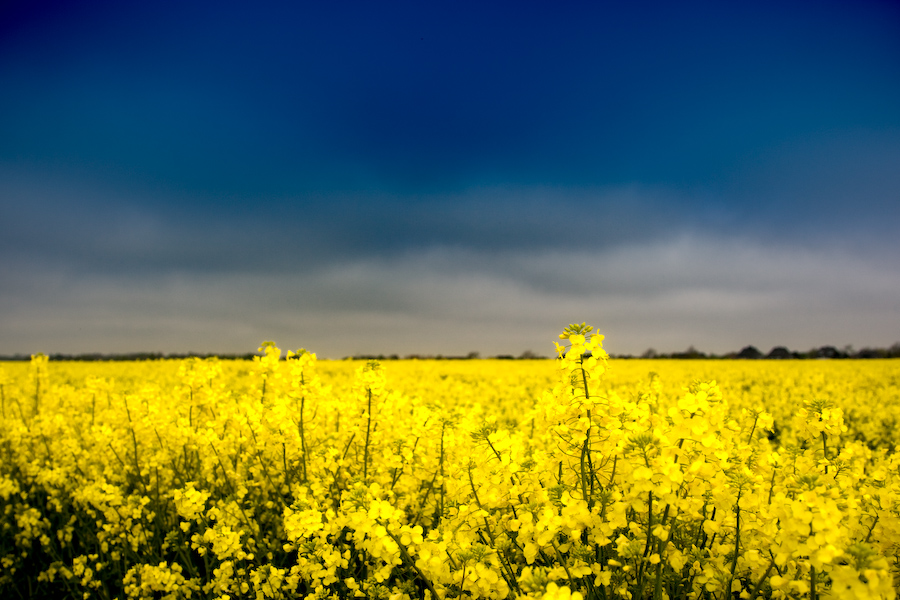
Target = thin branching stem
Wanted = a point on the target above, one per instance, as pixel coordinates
(737, 540)
(368, 432)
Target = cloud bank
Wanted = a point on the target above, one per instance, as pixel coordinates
(444, 179)
(715, 294)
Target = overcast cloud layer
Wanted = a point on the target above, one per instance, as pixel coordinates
(440, 179)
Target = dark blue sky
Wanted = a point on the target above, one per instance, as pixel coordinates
(445, 177)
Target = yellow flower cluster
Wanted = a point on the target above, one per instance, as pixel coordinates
(573, 479)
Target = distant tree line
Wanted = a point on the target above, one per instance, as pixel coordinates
(781, 353)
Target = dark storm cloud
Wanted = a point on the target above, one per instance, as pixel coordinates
(102, 228)
(232, 101)
(716, 294)
(206, 175)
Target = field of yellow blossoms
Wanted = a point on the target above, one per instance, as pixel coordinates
(582, 477)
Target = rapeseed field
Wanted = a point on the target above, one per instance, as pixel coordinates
(575, 478)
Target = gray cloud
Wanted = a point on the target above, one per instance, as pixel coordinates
(715, 294)
(90, 267)
(104, 228)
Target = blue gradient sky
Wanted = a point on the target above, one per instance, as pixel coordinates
(422, 177)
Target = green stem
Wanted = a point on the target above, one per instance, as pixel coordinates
(21, 413)
(303, 437)
(871, 529)
(585, 458)
(772, 484)
(586, 447)
(494, 450)
(661, 549)
(37, 390)
(134, 443)
(261, 462)
(587, 394)
(737, 540)
(762, 580)
(474, 491)
(368, 431)
(562, 562)
(753, 429)
(284, 465)
(640, 574)
(405, 555)
(812, 584)
(441, 465)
